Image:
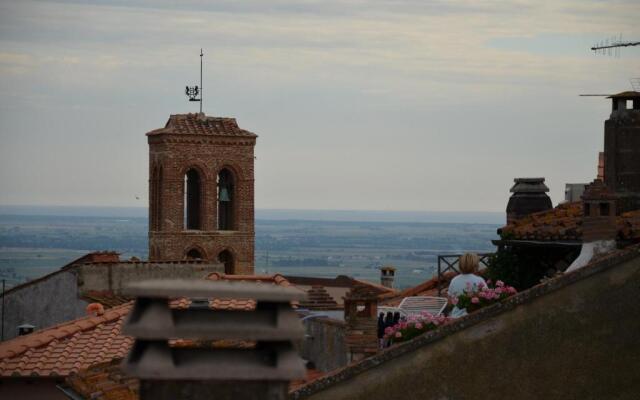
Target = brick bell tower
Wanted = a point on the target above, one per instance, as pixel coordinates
(201, 203)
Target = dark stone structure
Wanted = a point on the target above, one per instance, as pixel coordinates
(201, 192)
(622, 150)
(529, 196)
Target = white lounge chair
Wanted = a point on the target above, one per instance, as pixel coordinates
(417, 304)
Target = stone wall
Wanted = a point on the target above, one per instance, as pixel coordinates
(324, 343)
(574, 337)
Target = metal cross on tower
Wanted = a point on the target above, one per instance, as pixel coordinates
(194, 92)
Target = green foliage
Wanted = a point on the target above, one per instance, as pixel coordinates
(521, 267)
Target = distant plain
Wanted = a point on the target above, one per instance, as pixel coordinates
(37, 240)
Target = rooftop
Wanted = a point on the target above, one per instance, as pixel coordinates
(564, 223)
(625, 95)
(76, 345)
(200, 124)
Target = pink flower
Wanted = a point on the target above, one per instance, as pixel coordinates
(454, 300)
(398, 334)
(512, 290)
(480, 285)
(419, 325)
(475, 300)
(499, 283)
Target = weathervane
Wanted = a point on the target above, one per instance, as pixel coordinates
(194, 91)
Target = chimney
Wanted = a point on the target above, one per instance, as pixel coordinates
(387, 275)
(599, 230)
(599, 217)
(529, 196)
(25, 329)
(360, 314)
(622, 150)
(256, 372)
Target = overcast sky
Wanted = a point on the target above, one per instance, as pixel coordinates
(373, 105)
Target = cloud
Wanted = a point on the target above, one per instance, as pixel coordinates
(413, 83)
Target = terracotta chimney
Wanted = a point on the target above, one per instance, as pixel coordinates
(360, 314)
(599, 218)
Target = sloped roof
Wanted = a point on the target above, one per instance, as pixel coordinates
(73, 346)
(319, 299)
(200, 124)
(565, 223)
(68, 347)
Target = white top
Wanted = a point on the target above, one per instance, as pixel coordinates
(458, 285)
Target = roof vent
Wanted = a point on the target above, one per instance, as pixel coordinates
(166, 371)
(25, 329)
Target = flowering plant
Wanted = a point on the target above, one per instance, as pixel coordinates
(413, 326)
(482, 295)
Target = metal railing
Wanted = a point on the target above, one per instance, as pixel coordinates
(449, 262)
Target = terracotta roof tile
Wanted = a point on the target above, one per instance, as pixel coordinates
(565, 223)
(104, 381)
(76, 345)
(319, 299)
(200, 124)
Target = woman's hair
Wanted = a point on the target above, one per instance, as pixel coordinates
(469, 263)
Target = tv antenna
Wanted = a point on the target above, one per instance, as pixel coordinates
(611, 46)
(194, 92)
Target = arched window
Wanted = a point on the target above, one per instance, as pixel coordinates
(226, 258)
(192, 200)
(158, 216)
(226, 200)
(194, 254)
(155, 221)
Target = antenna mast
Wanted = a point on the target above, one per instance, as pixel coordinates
(201, 54)
(194, 92)
(612, 46)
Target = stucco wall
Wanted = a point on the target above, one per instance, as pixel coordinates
(324, 343)
(576, 337)
(113, 277)
(47, 302)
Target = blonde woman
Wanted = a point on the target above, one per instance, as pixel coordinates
(467, 279)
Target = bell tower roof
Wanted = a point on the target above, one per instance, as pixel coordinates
(201, 124)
